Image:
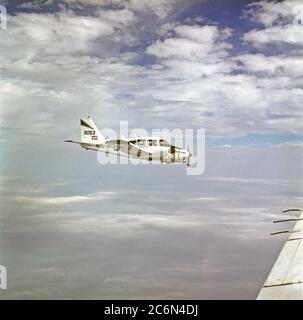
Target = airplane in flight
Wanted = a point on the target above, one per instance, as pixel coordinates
(145, 148)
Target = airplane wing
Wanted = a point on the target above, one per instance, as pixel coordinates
(128, 148)
(285, 281)
(83, 144)
(124, 146)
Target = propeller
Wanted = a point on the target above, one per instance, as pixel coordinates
(188, 158)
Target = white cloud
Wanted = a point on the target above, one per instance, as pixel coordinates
(50, 66)
(161, 8)
(204, 199)
(291, 34)
(120, 18)
(274, 65)
(96, 196)
(255, 181)
(192, 42)
(73, 65)
(41, 35)
(289, 144)
(270, 13)
(203, 34)
(281, 21)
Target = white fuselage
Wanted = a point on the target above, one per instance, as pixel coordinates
(154, 148)
(146, 148)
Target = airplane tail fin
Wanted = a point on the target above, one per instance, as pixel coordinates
(90, 132)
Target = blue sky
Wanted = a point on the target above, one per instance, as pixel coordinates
(142, 56)
(72, 228)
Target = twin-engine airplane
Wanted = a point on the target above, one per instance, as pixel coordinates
(145, 148)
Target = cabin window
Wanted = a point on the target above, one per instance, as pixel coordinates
(141, 143)
(164, 143)
(152, 143)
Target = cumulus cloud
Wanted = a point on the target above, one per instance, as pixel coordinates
(47, 67)
(278, 65)
(282, 21)
(73, 60)
(161, 8)
(120, 18)
(290, 34)
(58, 34)
(271, 13)
(192, 42)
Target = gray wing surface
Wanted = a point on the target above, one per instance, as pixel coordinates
(285, 281)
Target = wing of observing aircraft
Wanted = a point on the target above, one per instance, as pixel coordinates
(285, 281)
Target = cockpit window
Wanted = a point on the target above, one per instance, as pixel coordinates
(138, 142)
(164, 143)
